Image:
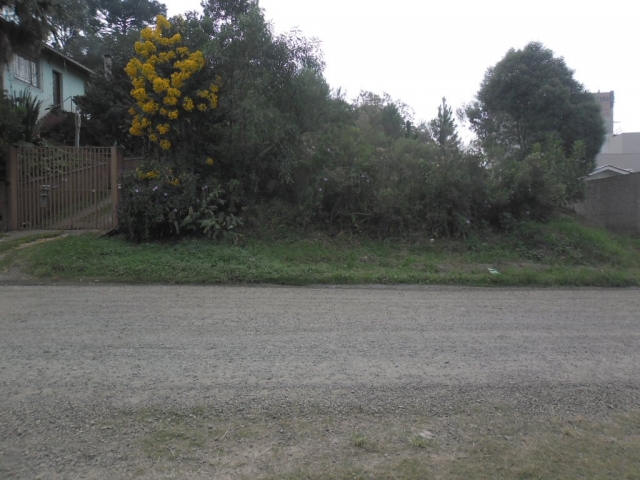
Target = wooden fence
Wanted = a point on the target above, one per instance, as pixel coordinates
(63, 188)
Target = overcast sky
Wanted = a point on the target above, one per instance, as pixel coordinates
(419, 51)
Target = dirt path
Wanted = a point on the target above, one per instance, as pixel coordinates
(83, 369)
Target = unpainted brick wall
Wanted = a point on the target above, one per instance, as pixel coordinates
(613, 203)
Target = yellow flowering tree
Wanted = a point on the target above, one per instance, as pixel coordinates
(171, 90)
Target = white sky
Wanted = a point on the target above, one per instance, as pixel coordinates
(419, 51)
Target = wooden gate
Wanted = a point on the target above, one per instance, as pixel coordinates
(64, 188)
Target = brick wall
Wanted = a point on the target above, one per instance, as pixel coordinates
(613, 203)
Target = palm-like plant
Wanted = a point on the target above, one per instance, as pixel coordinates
(30, 106)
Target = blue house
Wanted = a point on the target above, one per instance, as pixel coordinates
(51, 77)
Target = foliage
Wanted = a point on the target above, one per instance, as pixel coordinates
(11, 129)
(529, 97)
(219, 95)
(443, 128)
(119, 17)
(562, 252)
(30, 105)
(25, 25)
(274, 94)
(156, 203)
(538, 185)
(365, 177)
(171, 98)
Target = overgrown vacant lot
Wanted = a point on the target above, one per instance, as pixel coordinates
(563, 252)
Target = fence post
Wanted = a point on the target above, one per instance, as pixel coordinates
(116, 164)
(12, 177)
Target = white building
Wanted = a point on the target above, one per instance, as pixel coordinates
(620, 150)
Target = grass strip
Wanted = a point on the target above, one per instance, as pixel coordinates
(561, 253)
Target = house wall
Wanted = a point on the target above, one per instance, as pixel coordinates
(613, 203)
(72, 83)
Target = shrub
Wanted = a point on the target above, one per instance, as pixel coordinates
(535, 187)
(157, 203)
(409, 186)
(11, 129)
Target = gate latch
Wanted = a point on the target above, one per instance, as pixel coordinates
(44, 195)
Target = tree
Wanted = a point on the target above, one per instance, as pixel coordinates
(529, 97)
(75, 20)
(120, 16)
(25, 25)
(172, 91)
(443, 128)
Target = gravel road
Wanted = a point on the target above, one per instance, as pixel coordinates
(74, 356)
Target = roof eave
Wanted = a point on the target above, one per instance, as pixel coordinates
(64, 58)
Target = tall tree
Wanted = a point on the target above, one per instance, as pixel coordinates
(531, 96)
(443, 127)
(76, 20)
(25, 25)
(121, 16)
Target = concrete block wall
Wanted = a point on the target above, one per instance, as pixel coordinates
(613, 203)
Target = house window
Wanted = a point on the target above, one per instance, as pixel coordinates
(26, 70)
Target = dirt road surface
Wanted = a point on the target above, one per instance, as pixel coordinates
(75, 360)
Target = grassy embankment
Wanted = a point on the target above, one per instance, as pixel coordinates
(563, 252)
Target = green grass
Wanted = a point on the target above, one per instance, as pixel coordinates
(561, 253)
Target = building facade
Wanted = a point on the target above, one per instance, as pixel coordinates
(51, 77)
(620, 150)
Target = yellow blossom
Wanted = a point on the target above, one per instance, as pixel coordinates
(132, 67)
(147, 34)
(153, 137)
(163, 129)
(165, 144)
(160, 85)
(148, 71)
(202, 107)
(173, 114)
(140, 94)
(150, 107)
(138, 83)
(171, 101)
(145, 49)
(162, 23)
(187, 104)
(135, 130)
(210, 161)
(153, 60)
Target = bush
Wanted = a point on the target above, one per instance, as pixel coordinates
(409, 186)
(535, 187)
(11, 129)
(156, 203)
